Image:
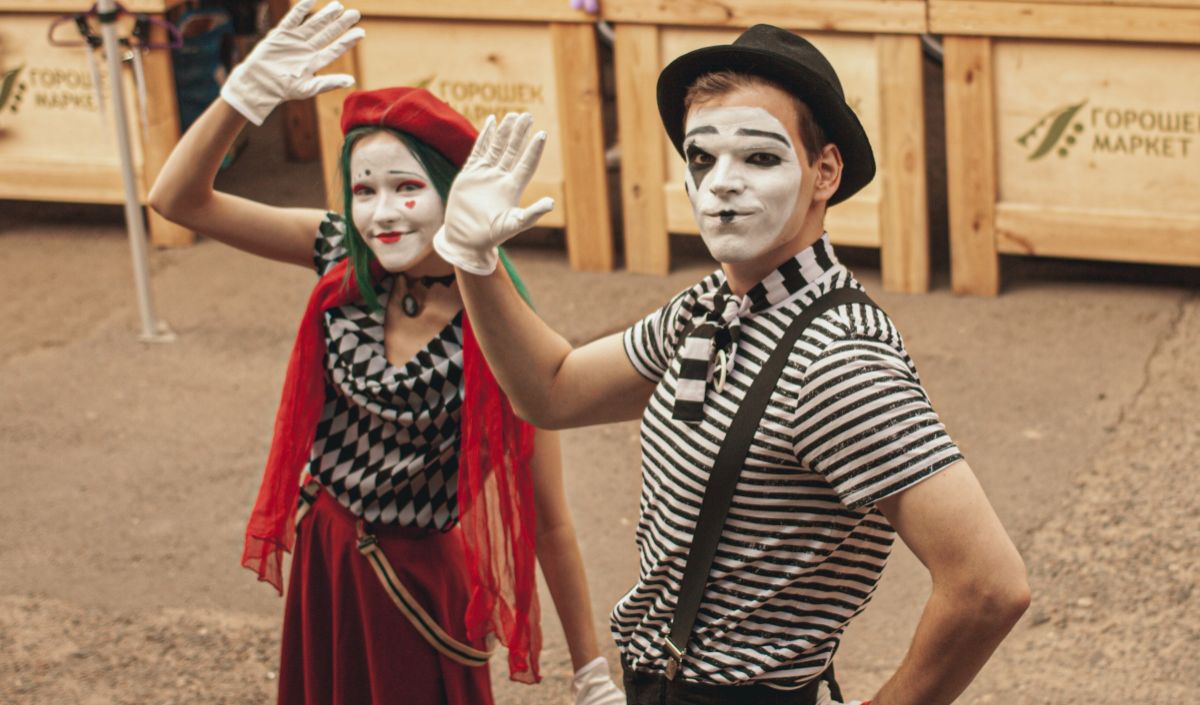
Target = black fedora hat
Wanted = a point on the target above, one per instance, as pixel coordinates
(796, 65)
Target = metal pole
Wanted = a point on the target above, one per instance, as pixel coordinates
(153, 330)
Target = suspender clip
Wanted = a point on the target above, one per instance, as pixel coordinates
(674, 659)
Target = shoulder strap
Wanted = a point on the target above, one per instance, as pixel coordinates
(728, 467)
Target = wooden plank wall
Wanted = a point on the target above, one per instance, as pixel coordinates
(1069, 133)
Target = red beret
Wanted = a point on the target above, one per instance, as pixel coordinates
(415, 111)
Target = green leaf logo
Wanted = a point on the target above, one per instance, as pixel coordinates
(426, 82)
(1060, 135)
(10, 89)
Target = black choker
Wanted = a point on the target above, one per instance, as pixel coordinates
(409, 303)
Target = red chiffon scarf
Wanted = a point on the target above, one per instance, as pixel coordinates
(495, 488)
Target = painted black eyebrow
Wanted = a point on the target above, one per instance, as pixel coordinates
(764, 133)
(401, 171)
(704, 130)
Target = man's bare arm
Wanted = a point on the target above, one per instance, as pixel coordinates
(979, 591)
(551, 384)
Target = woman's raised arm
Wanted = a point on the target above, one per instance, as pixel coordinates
(280, 68)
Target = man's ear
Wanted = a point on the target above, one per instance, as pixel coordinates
(828, 170)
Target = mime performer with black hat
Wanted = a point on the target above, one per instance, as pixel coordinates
(786, 437)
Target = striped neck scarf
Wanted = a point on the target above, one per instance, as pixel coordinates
(719, 313)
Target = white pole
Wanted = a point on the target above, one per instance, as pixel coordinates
(153, 331)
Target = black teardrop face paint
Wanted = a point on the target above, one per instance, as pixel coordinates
(699, 163)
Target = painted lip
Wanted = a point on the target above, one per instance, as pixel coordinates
(727, 212)
(390, 237)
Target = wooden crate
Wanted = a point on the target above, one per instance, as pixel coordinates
(1073, 130)
(537, 56)
(876, 50)
(55, 145)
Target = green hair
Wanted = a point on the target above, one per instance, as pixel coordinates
(441, 173)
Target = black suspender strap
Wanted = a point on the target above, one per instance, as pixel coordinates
(728, 466)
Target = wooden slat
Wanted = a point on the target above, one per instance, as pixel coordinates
(897, 16)
(57, 180)
(971, 165)
(1075, 21)
(1119, 236)
(637, 63)
(523, 11)
(300, 130)
(904, 225)
(162, 118)
(855, 223)
(585, 183)
(1130, 3)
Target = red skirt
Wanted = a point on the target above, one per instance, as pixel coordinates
(346, 643)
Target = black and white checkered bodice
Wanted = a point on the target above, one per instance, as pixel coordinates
(386, 446)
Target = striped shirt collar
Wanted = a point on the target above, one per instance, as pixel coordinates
(719, 321)
(789, 279)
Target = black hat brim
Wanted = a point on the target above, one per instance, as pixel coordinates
(835, 117)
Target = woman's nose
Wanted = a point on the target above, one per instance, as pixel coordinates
(386, 210)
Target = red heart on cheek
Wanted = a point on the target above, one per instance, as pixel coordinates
(409, 204)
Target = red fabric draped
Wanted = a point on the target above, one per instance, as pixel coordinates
(496, 510)
(271, 530)
(495, 487)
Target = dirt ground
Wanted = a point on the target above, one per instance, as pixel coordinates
(131, 467)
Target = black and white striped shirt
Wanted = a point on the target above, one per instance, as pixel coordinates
(803, 545)
(386, 446)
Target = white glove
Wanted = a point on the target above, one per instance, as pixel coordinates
(593, 686)
(824, 697)
(481, 209)
(281, 67)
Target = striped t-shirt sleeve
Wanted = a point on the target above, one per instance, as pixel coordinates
(865, 423)
(650, 343)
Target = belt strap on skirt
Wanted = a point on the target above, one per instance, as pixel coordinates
(426, 625)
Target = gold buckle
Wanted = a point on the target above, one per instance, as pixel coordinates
(366, 540)
(674, 659)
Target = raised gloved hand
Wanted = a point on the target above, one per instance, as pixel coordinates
(283, 64)
(592, 6)
(824, 697)
(593, 685)
(481, 209)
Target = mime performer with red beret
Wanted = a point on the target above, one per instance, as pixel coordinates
(412, 498)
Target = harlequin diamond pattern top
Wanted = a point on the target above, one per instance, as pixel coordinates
(386, 446)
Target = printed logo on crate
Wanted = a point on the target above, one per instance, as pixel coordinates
(12, 89)
(1113, 130)
(48, 88)
(478, 99)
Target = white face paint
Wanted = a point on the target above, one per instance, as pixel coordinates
(743, 179)
(394, 204)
